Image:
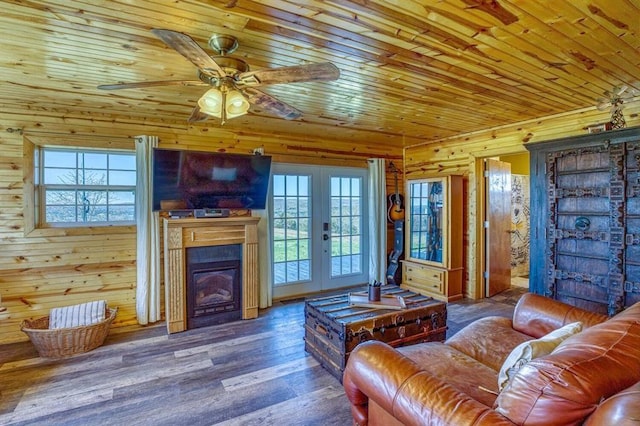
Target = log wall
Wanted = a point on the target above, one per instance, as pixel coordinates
(463, 155)
(39, 271)
(67, 267)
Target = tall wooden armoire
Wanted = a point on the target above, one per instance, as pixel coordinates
(433, 242)
(585, 220)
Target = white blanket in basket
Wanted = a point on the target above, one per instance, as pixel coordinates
(77, 315)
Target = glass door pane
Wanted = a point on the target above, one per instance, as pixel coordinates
(346, 226)
(291, 229)
(318, 228)
(425, 227)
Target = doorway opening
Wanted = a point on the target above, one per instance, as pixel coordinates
(502, 259)
(319, 229)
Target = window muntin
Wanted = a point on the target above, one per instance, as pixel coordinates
(77, 186)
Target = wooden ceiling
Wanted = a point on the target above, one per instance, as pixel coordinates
(409, 69)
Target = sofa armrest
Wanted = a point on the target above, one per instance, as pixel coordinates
(620, 409)
(536, 315)
(413, 396)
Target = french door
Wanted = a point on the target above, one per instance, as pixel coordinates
(318, 220)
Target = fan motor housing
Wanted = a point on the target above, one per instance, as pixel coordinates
(231, 66)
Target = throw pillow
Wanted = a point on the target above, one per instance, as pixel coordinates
(526, 351)
(77, 315)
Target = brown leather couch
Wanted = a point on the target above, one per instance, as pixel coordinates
(592, 378)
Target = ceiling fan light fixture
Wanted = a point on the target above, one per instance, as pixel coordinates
(211, 102)
(236, 104)
(233, 85)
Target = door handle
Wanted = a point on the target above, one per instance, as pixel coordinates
(325, 237)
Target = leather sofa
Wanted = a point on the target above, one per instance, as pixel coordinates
(591, 378)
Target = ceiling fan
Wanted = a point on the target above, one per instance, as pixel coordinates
(233, 85)
(614, 99)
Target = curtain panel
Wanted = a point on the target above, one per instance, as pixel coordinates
(148, 236)
(377, 220)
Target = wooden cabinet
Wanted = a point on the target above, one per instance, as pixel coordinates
(585, 220)
(433, 237)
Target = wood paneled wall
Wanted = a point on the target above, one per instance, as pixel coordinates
(463, 154)
(40, 272)
(66, 267)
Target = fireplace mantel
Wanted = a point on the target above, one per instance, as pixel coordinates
(180, 234)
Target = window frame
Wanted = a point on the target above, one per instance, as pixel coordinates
(32, 205)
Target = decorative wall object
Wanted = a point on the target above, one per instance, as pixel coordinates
(615, 99)
(520, 216)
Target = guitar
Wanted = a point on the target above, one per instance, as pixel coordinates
(396, 201)
(394, 273)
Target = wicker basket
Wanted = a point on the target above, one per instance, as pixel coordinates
(61, 342)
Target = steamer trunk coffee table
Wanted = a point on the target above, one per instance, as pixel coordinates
(334, 327)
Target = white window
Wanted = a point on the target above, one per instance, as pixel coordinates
(79, 186)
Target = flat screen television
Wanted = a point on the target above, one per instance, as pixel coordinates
(199, 180)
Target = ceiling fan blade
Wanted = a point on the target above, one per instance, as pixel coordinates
(603, 103)
(197, 115)
(324, 71)
(187, 47)
(619, 90)
(271, 104)
(143, 84)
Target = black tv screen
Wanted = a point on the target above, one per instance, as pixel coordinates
(197, 180)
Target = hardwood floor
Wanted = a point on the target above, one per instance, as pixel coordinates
(252, 372)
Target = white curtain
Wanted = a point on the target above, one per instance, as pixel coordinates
(264, 256)
(148, 238)
(377, 220)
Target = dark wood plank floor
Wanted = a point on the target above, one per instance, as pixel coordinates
(253, 372)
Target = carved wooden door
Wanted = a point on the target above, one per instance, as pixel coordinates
(594, 226)
(580, 235)
(585, 245)
(632, 216)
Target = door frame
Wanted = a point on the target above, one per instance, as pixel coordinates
(496, 281)
(477, 200)
(321, 250)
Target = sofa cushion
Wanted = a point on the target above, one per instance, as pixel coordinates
(536, 315)
(459, 370)
(568, 384)
(526, 351)
(488, 340)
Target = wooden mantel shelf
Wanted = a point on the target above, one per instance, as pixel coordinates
(180, 234)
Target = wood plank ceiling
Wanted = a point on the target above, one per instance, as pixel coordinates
(409, 69)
